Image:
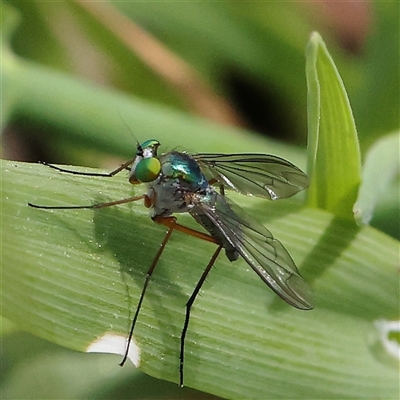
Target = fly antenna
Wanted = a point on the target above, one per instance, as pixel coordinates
(139, 148)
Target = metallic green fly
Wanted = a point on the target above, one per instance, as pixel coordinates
(195, 183)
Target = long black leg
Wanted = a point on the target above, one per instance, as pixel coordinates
(188, 309)
(107, 175)
(99, 205)
(146, 282)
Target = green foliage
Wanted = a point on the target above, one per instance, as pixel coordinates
(74, 278)
(334, 156)
(380, 170)
(71, 276)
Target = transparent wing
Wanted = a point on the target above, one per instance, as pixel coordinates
(265, 254)
(260, 175)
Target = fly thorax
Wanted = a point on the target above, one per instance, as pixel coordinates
(177, 186)
(168, 197)
(176, 165)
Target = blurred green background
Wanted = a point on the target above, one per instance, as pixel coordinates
(233, 63)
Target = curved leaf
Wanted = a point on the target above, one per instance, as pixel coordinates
(334, 164)
(382, 166)
(71, 276)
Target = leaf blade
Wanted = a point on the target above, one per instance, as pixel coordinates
(334, 156)
(380, 169)
(60, 284)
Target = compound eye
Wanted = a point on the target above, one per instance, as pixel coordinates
(148, 169)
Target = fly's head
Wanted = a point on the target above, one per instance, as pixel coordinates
(146, 167)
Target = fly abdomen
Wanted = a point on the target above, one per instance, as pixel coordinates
(204, 221)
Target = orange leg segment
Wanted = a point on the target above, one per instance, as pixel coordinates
(170, 222)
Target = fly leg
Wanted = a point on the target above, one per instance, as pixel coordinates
(189, 307)
(106, 175)
(171, 223)
(147, 202)
(99, 205)
(146, 283)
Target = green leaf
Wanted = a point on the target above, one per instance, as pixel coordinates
(380, 169)
(334, 164)
(70, 276)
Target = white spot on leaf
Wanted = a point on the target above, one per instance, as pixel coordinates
(384, 328)
(115, 344)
